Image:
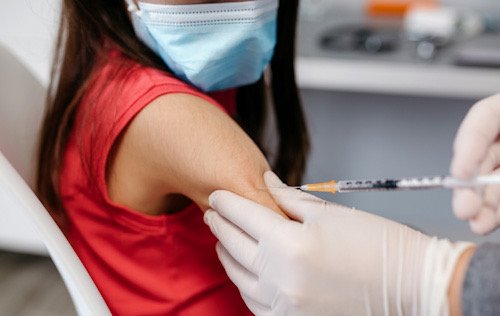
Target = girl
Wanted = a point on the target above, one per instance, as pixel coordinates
(141, 127)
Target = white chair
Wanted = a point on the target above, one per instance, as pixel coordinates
(21, 102)
(16, 196)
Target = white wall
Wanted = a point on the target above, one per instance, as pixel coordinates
(27, 30)
(21, 107)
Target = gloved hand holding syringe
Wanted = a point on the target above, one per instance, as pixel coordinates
(415, 183)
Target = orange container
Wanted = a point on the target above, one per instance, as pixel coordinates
(394, 8)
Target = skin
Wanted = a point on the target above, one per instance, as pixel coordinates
(181, 148)
(457, 282)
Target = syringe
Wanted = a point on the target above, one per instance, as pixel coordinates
(416, 183)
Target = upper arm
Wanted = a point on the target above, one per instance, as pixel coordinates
(181, 144)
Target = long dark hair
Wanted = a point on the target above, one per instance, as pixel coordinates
(85, 27)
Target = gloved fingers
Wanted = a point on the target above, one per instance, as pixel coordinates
(491, 196)
(492, 159)
(296, 204)
(255, 307)
(251, 217)
(477, 132)
(487, 218)
(466, 203)
(240, 246)
(246, 281)
(485, 222)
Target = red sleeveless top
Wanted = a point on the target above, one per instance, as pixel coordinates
(142, 265)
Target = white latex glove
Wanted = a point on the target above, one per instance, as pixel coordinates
(477, 151)
(330, 260)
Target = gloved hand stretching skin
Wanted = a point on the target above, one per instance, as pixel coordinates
(477, 151)
(329, 260)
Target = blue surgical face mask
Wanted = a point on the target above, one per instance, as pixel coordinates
(213, 46)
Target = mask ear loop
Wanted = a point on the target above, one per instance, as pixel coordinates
(132, 7)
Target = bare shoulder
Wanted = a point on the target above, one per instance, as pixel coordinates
(183, 145)
(175, 106)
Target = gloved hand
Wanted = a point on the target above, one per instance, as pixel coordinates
(477, 151)
(329, 260)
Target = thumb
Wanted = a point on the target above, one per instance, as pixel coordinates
(477, 132)
(296, 204)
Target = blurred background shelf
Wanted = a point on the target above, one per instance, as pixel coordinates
(393, 72)
(396, 78)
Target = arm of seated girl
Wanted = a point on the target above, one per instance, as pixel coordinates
(181, 145)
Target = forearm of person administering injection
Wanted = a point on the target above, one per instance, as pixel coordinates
(455, 289)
